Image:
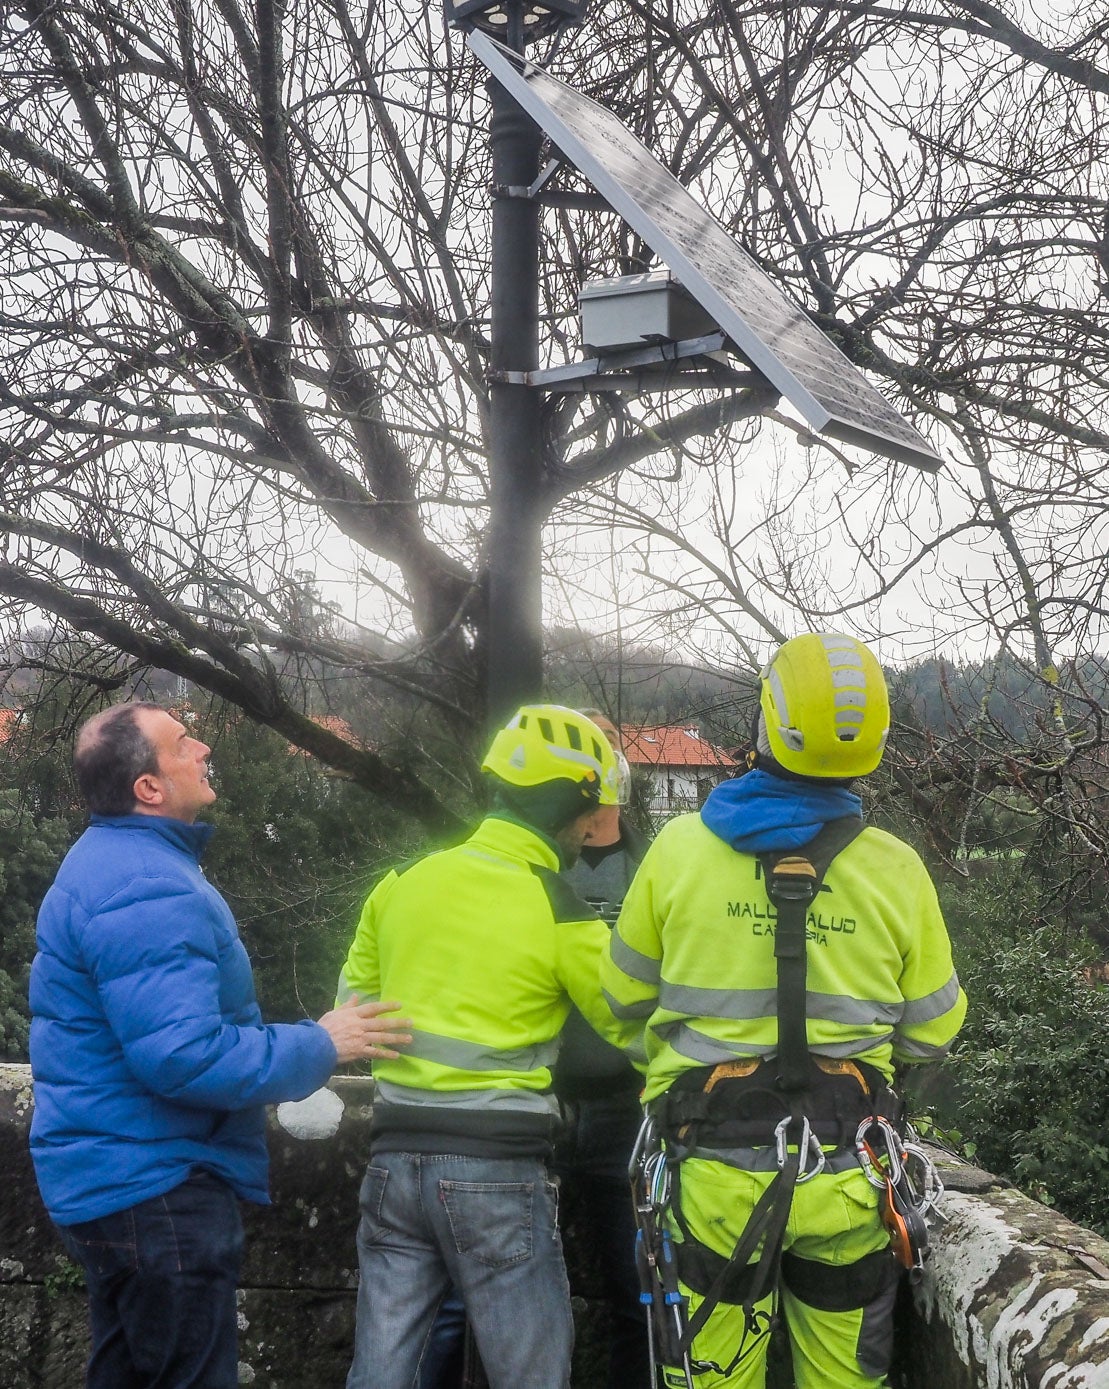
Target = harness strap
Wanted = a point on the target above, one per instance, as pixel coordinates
(767, 1225)
(765, 1159)
(739, 1106)
(840, 1287)
(828, 1287)
(792, 883)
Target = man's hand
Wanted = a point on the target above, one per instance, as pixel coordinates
(359, 1030)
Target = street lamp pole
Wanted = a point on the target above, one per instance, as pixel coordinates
(514, 673)
(514, 656)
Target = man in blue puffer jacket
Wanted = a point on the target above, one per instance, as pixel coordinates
(152, 1064)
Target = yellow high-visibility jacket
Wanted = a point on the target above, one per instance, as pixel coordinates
(485, 946)
(692, 956)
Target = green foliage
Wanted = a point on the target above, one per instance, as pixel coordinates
(1030, 1076)
(15, 1023)
(30, 852)
(67, 1276)
(295, 853)
(928, 1127)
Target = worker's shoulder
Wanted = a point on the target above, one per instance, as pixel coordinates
(563, 899)
(880, 841)
(417, 860)
(683, 834)
(442, 859)
(886, 849)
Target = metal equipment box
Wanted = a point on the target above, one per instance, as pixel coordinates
(632, 310)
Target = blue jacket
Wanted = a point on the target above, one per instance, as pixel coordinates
(148, 1049)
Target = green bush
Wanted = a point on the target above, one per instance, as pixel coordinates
(1028, 1078)
(30, 852)
(295, 854)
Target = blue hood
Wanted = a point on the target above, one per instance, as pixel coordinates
(758, 813)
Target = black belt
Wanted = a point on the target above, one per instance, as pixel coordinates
(740, 1104)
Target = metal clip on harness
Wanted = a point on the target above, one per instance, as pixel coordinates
(655, 1261)
(808, 1146)
(910, 1189)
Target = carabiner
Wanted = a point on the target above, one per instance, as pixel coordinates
(656, 1181)
(809, 1146)
(922, 1177)
(644, 1140)
(869, 1160)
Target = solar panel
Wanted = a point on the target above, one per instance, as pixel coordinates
(773, 333)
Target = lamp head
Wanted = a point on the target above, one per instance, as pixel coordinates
(494, 17)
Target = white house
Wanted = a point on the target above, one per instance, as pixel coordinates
(682, 766)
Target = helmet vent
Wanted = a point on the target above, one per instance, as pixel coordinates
(546, 728)
(845, 664)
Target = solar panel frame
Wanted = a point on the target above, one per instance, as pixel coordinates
(830, 393)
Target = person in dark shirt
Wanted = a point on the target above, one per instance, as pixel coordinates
(599, 1091)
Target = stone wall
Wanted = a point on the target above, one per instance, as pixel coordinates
(1015, 1296)
(296, 1306)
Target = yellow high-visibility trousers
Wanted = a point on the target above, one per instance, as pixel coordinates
(833, 1220)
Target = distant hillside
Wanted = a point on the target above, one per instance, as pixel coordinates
(643, 684)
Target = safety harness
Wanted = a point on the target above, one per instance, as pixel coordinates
(796, 1115)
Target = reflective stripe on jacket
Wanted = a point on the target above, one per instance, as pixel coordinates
(692, 956)
(485, 946)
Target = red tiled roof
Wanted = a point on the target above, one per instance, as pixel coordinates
(9, 718)
(663, 746)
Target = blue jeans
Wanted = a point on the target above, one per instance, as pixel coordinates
(444, 1361)
(161, 1278)
(489, 1226)
(591, 1162)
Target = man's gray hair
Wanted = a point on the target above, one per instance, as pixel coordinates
(111, 753)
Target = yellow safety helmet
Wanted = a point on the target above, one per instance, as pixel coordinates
(545, 743)
(825, 707)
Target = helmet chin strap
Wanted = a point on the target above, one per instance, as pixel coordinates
(752, 758)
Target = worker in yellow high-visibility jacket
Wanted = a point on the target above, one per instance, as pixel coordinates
(692, 956)
(488, 946)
